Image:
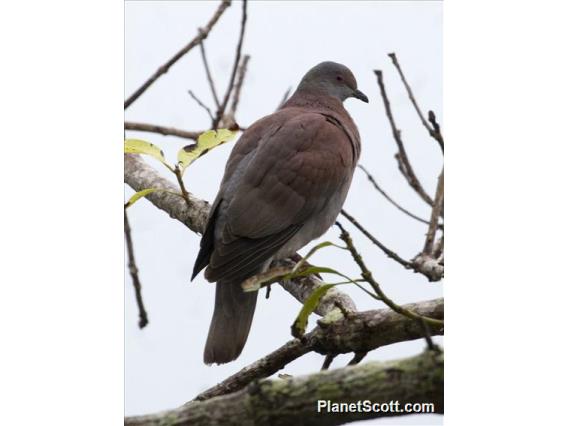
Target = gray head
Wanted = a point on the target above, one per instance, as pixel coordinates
(332, 79)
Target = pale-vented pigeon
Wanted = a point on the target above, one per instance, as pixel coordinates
(284, 185)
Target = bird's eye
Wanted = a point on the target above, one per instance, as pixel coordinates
(339, 78)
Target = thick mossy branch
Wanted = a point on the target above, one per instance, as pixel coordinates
(356, 332)
(419, 379)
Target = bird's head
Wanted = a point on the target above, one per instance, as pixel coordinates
(332, 79)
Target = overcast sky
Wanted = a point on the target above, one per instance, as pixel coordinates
(163, 362)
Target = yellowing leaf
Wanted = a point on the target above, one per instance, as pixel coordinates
(310, 305)
(145, 192)
(138, 146)
(206, 141)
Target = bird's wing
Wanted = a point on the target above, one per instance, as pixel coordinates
(289, 177)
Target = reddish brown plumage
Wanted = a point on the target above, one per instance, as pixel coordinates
(284, 184)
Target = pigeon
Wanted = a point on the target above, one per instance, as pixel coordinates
(284, 185)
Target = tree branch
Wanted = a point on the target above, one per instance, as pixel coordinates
(358, 332)
(238, 86)
(208, 73)
(368, 276)
(436, 211)
(133, 269)
(221, 110)
(201, 35)
(380, 245)
(402, 158)
(162, 130)
(389, 199)
(200, 103)
(433, 131)
(419, 379)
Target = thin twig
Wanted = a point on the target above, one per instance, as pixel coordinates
(368, 276)
(384, 194)
(433, 130)
(201, 104)
(201, 35)
(404, 163)
(162, 130)
(437, 130)
(133, 269)
(221, 110)
(184, 193)
(385, 249)
(238, 85)
(208, 73)
(436, 211)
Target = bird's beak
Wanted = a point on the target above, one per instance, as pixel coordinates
(361, 96)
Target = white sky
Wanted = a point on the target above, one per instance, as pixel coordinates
(163, 363)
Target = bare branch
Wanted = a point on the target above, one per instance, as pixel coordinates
(436, 211)
(221, 110)
(162, 130)
(437, 130)
(295, 400)
(384, 248)
(201, 104)
(264, 367)
(208, 73)
(201, 35)
(368, 276)
(238, 86)
(133, 269)
(404, 163)
(433, 130)
(384, 194)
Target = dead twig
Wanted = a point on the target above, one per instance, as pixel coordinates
(401, 156)
(368, 276)
(384, 194)
(436, 212)
(238, 86)
(380, 245)
(433, 130)
(208, 73)
(162, 130)
(223, 106)
(133, 269)
(201, 104)
(201, 35)
(437, 130)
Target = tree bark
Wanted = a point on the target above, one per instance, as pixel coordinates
(289, 401)
(358, 332)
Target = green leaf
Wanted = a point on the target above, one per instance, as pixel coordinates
(206, 141)
(310, 305)
(138, 146)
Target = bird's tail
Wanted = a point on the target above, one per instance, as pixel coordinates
(230, 324)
